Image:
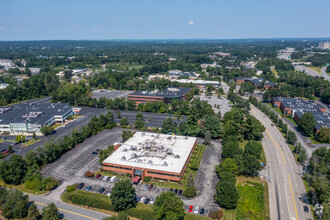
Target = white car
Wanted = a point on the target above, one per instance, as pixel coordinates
(105, 178)
(143, 199)
(196, 210)
(152, 200)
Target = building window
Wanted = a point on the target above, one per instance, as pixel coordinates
(163, 174)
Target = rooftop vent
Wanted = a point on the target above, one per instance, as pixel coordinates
(134, 155)
(125, 149)
(161, 147)
(152, 135)
(165, 164)
(133, 147)
(169, 137)
(123, 158)
(186, 137)
(139, 160)
(150, 162)
(169, 151)
(143, 133)
(177, 156)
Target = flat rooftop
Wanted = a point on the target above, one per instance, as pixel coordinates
(34, 113)
(198, 81)
(162, 152)
(167, 93)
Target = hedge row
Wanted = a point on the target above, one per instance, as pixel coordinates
(88, 200)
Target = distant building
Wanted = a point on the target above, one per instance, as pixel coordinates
(222, 54)
(258, 82)
(205, 65)
(166, 96)
(296, 107)
(85, 71)
(324, 45)
(28, 118)
(156, 76)
(3, 85)
(158, 156)
(201, 84)
(6, 63)
(175, 74)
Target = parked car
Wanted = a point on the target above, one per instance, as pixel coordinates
(108, 178)
(196, 210)
(94, 152)
(180, 192)
(176, 191)
(171, 190)
(145, 187)
(202, 211)
(147, 201)
(80, 186)
(98, 176)
(52, 132)
(306, 208)
(105, 178)
(150, 187)
(152, 200)
(101, 190)
(190, 209)
(97, 150)
(88, 188)
(143, 199)
(137, 199)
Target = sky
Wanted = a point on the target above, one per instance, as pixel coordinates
(163, 19)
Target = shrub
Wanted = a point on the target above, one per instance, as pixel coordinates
(219, 214)
(146, 179)
(190, 192)
(49, 183)
(88, 199)
(71, 188)
(139, 213)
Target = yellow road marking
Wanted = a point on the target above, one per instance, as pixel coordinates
(65, 210)
(278, 146)
(294, 202)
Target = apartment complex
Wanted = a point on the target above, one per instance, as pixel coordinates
(28, 118)
(166, 96)
(157, 156)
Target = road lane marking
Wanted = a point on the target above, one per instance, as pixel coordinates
(278, 146)
(294, 202)
(63, 210)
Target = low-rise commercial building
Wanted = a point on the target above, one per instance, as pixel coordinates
(167, 95)
(29, 118)
(201, 84)
(258, 82)
(158, 156)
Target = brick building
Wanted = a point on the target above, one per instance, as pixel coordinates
(257, 82)
(158, 156)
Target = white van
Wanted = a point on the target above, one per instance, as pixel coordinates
(113, 179)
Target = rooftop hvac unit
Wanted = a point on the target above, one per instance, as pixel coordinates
(134, 155)
(125, 149)
(186, 137)
(150, 162)
(169, 137)
(169, 151)
(161, 147)
(177, 156)
(133, 147)
(152, 135)
(165, 164)
(139, 160)
(123, 158)
(143, 133)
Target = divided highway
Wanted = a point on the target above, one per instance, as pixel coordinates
(287, 194)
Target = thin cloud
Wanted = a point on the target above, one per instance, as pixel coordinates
(191, 22)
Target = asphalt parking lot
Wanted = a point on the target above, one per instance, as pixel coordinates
(110, 94)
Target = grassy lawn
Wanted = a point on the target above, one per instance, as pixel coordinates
(190, 216)
(314, 141)
(76, 116)
(57, 125)
(28, 143)
(242, 144)
(315, 68)
(291, 119)
(21, 188)
(276, 109)
(274, 71)
(229, 214)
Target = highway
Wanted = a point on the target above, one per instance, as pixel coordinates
(69, 211)
(287, 194)
(311, 72)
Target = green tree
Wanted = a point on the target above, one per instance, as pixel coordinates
(227, 165)
(123, 122)
(168, 206)
(15, 204)
(302, 156)
(190, 180)
(50, 212)
(103, 154)
(45, 130)
(219, 115)
(253, 148)
(251, 165)
(33, 212)
(10, 148)
(139, 123)
(122, 195)
(292, 138)
(190, 192)
(227, 194)
(169, 125)
(323, 135)
(34, 135)
(68, 75)
(126, 135)
(207, 137)
(307, 123)
(13, 171)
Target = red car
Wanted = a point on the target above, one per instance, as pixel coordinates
(98, 176)
(150, 187)
(190, 209)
